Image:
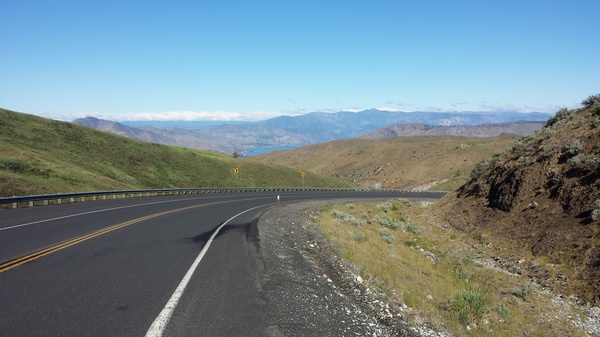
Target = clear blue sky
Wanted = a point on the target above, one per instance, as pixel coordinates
(255, 59)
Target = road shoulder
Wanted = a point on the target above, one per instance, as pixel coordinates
(308, 290)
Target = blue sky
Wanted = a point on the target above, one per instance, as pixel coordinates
(248, 60)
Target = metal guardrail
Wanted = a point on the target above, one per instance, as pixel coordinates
(46, 199)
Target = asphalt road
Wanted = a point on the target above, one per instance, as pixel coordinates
(117, 267)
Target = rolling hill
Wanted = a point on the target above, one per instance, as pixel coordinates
(418, 162)
(483, 130)
(39, 156)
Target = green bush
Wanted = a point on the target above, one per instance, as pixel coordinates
(522, 161)
(591, 100)
(468, 305)
(561, 116)
(463, 273)
(346, 218)
(596, 210)
(386, 235)
(521, 292)
(357, 236)
(386, 221)
(479, 169)
(573, 147)
(412, 228)
(592, 162)
(502, 311)
(557, 176)
(387, 206)
(577, 161)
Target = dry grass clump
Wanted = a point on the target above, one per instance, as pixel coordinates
(437, 275)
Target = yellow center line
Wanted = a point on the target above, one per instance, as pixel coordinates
(41, 253)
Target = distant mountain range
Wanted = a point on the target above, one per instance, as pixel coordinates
(294, 131)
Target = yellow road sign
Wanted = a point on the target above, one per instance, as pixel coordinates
(302, 174)
(236, 170)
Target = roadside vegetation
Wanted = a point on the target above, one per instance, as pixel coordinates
(435, 274)
(42, 156)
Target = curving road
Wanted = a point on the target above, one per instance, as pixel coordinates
(134, 267)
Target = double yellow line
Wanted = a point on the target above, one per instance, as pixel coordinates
(41, 253)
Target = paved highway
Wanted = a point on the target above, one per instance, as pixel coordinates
(134, 267)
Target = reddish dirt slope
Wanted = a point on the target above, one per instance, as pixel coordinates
(540, 201)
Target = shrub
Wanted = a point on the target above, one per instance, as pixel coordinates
(592, 162)
(479, 169)
(521, 292)
(386, 206)
(412, 228)
(561, 116)
(522, 161)
(519, 145)
(499, 155)
(557, 176)
(577, 160)
(591, 100)
(468, 305)
(344, 217)
(357, 236)
(386, 235)
(573, 147)
(463, 273)
(388, 222)
(596, 210)
(547, 152)
(502, 311)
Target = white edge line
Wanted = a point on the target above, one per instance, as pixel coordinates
(160, 323)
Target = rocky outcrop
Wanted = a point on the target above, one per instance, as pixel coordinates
(543, 196)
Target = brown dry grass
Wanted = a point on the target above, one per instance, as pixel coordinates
(397, 162)
(428, 263)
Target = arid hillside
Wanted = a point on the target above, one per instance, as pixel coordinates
(396, 162)
(483, 130)
(539, 203)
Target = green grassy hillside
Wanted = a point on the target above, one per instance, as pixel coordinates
(39, 156)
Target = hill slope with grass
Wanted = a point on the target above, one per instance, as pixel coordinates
(396, 162)
(538, 203)
(40, 156)
(483, 130)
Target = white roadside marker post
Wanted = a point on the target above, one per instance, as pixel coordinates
(278, 207)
